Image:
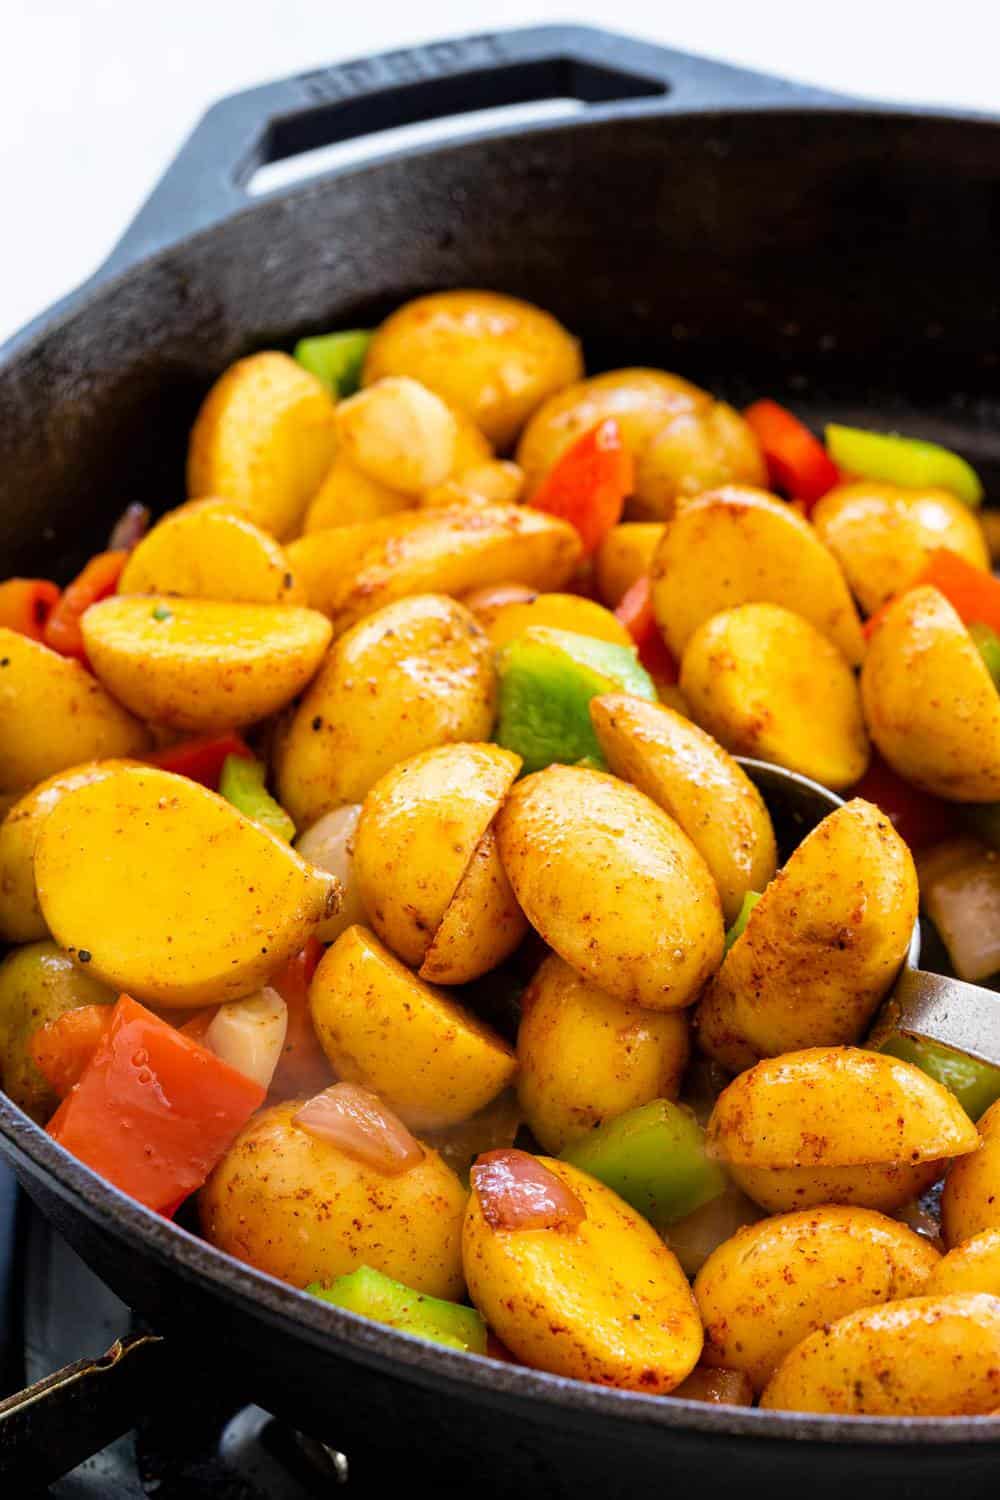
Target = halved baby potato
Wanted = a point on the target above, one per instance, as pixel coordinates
(973, 1266)
(348, 496)
(696, 451)
(739, 545)
(202, 665)
(209, 550)
(399, 433)
(765, 683)
(505, 621)
(625, 554)
(970, 1202)
(493, 483)
(482, 923)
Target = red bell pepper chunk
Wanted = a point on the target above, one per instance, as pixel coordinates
(201, 759)
(589, 484)
(303, 1068)
(917, 817)
(61, 1049)
(26, 604)
(798, 464)
(153, 1112)
(98, 579)
(635, 610)
(973, 593)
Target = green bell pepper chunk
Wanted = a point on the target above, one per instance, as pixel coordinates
(653, 1157)
(378, 1297)
(742, 917)
(242, 784)
(975, 1084)
(913, 463)
(335, 359)
(988, 645)
(547, 679)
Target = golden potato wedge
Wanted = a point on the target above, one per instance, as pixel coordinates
(604, 1302)
(415, 674)
(822, 946)
(200, 664)
(55, 714)
(399, 433)
(304, 1210)
(625, 554)
(329, 843)
(504, 622)
(775, 1282)
(765, 683)
(482, 923)
(209, 550)
(973, 1266)
(923, 1357)
(348, 496)
(432, 1061)
(739, 545)
(326, 557)
(135, 876)
(693, 452)
(691, 777)
(837, 1125)
(264, 437)
(494, 483)
(585, 1057)
(930, 702)
(612, 883)
(492, 357)
(970, 1202)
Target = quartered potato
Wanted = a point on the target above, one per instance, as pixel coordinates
(767, 684)
(504, 620)
(691, 777)
(739, 545)
(822, 946)
(970, 1202)
(497, 482)
(208, 550)
(327, 556)
(398, 433)
(613, 884)
(305, 1210)
(55, 714)
(776, 1282)
(625, 554)
(135, 876)
(433, 1062)
(349, 496)
(482, 923)
(415, 674)
(585, 1057)
(973, 1266)
(202, 665)
(837, 1125)
(264, 437)
(930, 702)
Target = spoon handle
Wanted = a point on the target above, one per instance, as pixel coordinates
(965, 1017)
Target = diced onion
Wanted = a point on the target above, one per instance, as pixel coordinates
(960, 890)
(329, 844)
(694, 1238)
(717, 1387)
(249, 1035)
(130, 528)
(357, 1121)
(517, 1192)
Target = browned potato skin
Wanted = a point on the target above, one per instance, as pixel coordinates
(585, 1057)
(303, 1210)
(970, 1202)
(822, 946)
(973, 1266)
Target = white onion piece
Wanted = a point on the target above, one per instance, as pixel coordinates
(249, 1035)
(329, 844)
(960, 891)
(357, 1121)
(694, 1238)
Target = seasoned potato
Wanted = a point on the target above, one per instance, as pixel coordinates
(417, 673)
(482, 923)
(202, 665)
(766, 683)
(264, 437)
(881, 535)
(585, 1057)
(490, 356)
(54, 714)
(38, 983)
(970, 1202)
(208, 550)
(625, 554)
(505, 621)
(739, 545)
(399, 434)
(329, 843)
(419, 828)
(329, 555)
(924, 1357)
(433, 1062)
(775, 1282)
(930, 702)
(973, 1266)
(696, 451)
(348, 496)
(304, 1210)
(692, 778)
(612, 883)
(837, 1125)
(135, 877)
(493, 483)
(605, 1301)
(822, 946)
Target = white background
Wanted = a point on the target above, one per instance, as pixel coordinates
(96, 95)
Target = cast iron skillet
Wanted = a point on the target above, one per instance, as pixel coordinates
(756, 236)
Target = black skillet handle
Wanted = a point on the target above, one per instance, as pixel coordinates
(207, 180)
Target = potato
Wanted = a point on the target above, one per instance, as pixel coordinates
(924, 1357)
(492, 357)
(604, 1302)
(625, 554)
(493, 483)
(970, 1202)
(585, 1057)
(692, 778)
(881, 535)
(930, 702)
(822, 946)
(303, 1210)
(38, 983)
(433, 1062)
(54, 714)
(836, 1125)
(208, 550)
(693, 452)
(202, 665)
(775, 1282)
(482, 923)
(329, 843)
(327, 557)
(612, 884)
(739, 545)
(415, 674)
(348, 496)
(504, 622)
(166, 891)
(399, 434)
(419, 828)
(767, 684)
(973, 1266)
